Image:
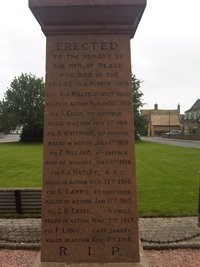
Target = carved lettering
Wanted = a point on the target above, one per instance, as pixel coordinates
(64, 251)
(89, 192)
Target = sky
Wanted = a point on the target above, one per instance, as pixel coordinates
(165, 51)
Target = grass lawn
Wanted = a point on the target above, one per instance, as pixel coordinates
(167, 176)
(20, 165)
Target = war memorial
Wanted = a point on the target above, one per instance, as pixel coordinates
(89, 199)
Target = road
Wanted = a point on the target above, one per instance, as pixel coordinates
(160, 140)
(9, 138)
(175, 142)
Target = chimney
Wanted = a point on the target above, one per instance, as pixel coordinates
(156, 106)
(179, 109)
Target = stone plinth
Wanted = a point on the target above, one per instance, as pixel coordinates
(143, 263)
(89, 212)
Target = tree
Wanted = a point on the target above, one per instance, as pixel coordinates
(23, 107)
(140, 122)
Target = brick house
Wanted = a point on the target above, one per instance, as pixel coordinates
(191, 121)
(161, 121)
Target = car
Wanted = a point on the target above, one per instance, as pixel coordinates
(174, 132)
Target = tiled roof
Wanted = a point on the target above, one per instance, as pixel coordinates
(165, 119)
(195, 107)
(162, 117)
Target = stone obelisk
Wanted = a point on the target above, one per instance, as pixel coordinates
(89, 207)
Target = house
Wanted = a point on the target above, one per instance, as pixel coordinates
(161, 121)
(191, 121)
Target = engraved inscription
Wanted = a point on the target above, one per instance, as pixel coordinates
(89, 178)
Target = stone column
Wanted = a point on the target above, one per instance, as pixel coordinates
(89, 212)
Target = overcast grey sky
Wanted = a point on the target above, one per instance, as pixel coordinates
(165, 50)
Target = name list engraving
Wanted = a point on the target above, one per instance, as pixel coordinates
(89, 193)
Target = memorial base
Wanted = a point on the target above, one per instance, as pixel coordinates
(143, 263)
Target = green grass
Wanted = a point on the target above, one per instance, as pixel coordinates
(167, 176)
(20, 165)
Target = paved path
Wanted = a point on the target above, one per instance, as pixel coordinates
(154, 233)
(181, 232)
(171, 141)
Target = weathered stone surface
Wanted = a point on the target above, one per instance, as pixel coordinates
(89, 204)
(89, 189)
(143, 263)
(88, 16)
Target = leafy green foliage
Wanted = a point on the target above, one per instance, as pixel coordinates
(23, 107)
(140, 122)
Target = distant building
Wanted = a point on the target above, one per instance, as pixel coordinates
(191, 121)
(161, 120)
